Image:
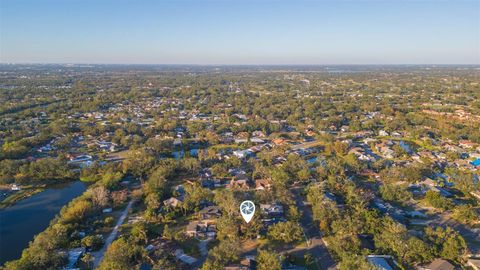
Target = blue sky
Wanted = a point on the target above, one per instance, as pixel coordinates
(240, 32)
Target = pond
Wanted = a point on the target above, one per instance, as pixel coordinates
(21, 222)
(181, 154)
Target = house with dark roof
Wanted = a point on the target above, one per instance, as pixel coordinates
(263, 184)
(439, 264)
(210, 212)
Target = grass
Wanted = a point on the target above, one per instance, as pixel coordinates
(20, 195)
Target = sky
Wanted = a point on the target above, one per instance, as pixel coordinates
(215, 32)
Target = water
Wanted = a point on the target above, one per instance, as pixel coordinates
(21, 222)
(180, 154)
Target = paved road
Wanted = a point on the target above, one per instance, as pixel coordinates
(471, 236)
(316, 246)
(98, 256)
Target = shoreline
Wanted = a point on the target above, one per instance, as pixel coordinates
(27, 191)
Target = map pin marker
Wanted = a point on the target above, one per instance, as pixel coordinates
(247, 209)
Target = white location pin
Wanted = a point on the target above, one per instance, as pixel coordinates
(247, 209)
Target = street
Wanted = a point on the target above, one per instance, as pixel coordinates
(316, 246)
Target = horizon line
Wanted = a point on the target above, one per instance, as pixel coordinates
(225, 64)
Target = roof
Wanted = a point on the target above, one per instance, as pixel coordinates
(73, 256)
(380, 262)
(192, 226)
(183, 257)
(210, 210)
(440, 264)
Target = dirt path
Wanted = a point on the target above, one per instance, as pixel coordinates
(98, 256)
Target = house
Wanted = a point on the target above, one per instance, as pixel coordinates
(258, 134)
(107, 146)
(80, 158)
(466, 144)
(245, 264)
(383, 133)
(238, 183)
(177, 142)
(475, 194)
(180, 255)
(428, 182)
(173, 202)
(476, 163)
(439, 264)
(191, 229)
(272, 210)
(385, 149)
(210, 212)
(203, 228)
(360, 154)
(382, 262)
(263, 184)
(242, 153)
(257, 140)
(73, 256)
(15, 187)
(279, 141)
(178, 189)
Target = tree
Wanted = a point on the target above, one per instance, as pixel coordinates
(226, 200)
(436, 200)
(138, 233)
(267, 260)
(286, 232)
(120, 255)
(446, 243)
(465, 214)
(87, 258)
(227, 227)
(76, 211)
(354, 261)
(93, 242)
(195, 195)
(167, 233)
(110, 180)
(463, 180)
(393, 238)
(222, 254)
(139, 163)
(394, 193)
(99, 196)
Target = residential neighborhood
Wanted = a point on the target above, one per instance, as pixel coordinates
(347, 171)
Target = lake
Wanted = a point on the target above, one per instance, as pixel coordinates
(21, 222)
